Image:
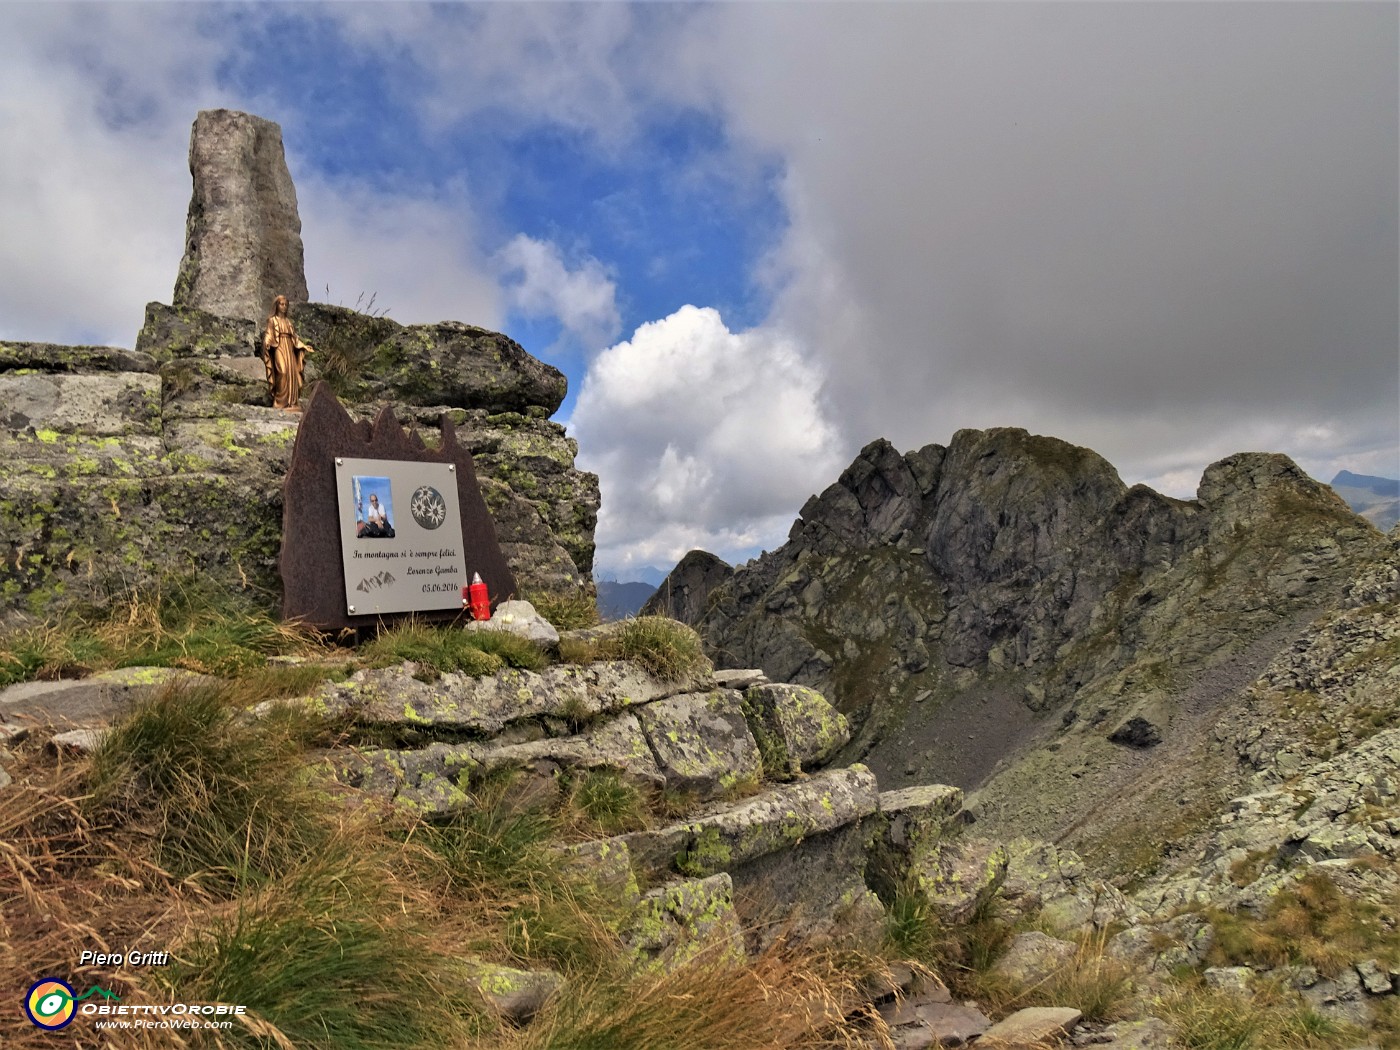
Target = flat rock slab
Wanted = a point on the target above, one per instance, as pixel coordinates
(392, 696)
(51, 357)
(617, 743)
(92, 701)
(918, 1024)
(740, 679)
(1034, 1024)
(776, 819)
(433, 779)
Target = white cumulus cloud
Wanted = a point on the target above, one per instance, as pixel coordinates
(701, 437)
(539, 283)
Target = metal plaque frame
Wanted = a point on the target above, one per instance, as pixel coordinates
(401, 539)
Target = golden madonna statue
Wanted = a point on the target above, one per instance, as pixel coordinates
(284, 356)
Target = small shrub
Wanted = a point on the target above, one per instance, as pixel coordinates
(787, 999)
(435, 649)
(667, 648)
(178, 622)
(912, 929)
(523, 895)
(1205, 1018)
(577, 651)
(513, 650)
(1092, 982)
(671, 802)
(1310, 921)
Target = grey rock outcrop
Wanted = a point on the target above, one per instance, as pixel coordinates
(243, 234)
(168, 457)
(449, 363)
(684, 594)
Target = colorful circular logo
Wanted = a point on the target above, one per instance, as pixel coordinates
(428, 507)
(49, 1003)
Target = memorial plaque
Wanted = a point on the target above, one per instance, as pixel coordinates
(400, 537)
(377, 526)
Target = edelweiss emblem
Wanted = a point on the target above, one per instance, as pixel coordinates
(428, 507)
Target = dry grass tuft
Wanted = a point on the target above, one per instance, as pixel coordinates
(789, 998)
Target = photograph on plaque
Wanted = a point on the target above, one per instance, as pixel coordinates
(374, 508)
(404, 556)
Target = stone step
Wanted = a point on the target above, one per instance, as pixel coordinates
(782, 816)
(487, 705)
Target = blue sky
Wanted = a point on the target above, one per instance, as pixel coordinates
(757, 236)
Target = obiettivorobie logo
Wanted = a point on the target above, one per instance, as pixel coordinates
(52, 1004)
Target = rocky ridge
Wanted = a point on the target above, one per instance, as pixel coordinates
(768, 829)
(765, 837)
(962, 603)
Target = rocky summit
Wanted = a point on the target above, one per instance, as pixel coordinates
(129, 464)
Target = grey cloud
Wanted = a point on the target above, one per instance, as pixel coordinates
(1104, 220)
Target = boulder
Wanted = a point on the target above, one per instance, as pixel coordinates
(956, 878)
(702, 742)
(912, 822)
(608, 864)
(243, 234)
(925, 1021)
(796, 729)
(1034, 957)
(1052, 883)
(683, 921)
(740, 679)
(514, 995)
(445, 364)
(1034, 1024)
(520, 619)
(171, 333)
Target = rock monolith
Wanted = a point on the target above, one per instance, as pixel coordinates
(243, 234)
